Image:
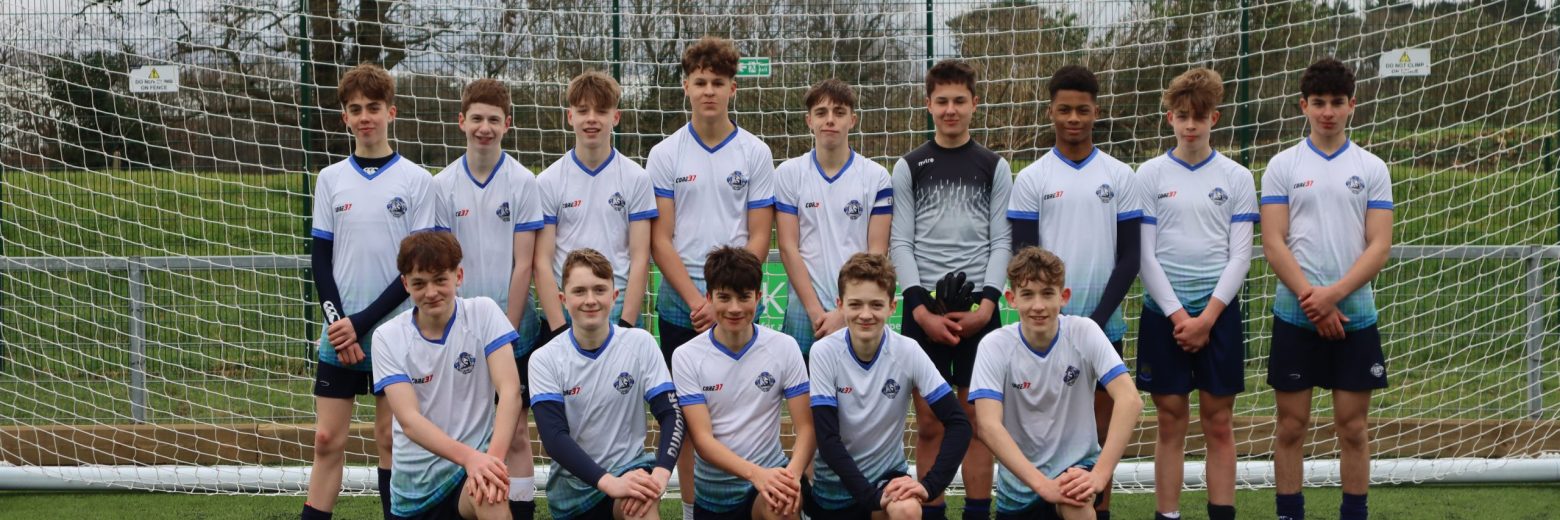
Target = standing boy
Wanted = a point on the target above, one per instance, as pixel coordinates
(1083, 205)
(596, 198)
(489, 201)
(731, 383)
(714, 186)
(1034, 399)
(862, 381)
(1327, 226)
(949, 197)
(591, 386)
(832, 203)
(1196, 251)
(363, 207)
(431, 362)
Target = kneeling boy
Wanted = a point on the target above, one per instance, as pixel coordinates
(589, 387)
(1033, 391)
(430, 361)
(862, 382)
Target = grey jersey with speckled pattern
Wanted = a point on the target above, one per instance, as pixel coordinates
(950, 215)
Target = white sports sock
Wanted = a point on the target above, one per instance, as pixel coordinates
(522, 489)
(687, 511)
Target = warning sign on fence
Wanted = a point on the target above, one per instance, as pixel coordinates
(155, 78)
(1405, 62)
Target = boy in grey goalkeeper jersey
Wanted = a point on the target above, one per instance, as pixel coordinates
(950, 198)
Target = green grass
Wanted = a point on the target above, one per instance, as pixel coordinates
(1504, 502)
(232, 346)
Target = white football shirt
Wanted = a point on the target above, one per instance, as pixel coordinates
(1047, 398)
(744, 392)
(454, 392)
(1327, 196)
(831, 213)
(1077, 206)
(365, 215)
(593, 208)
(605, 393)
(712, 188)
(1192, 207)
(873, 399)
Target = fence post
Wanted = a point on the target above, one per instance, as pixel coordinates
(931, 126)
(306, 113)
(1242, 89)
(137, 339)
(1535, 332)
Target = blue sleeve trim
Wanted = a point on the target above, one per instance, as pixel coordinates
(1275, 199)
(390, 380)
(1245, 217)
(785, 208)
(798, 390)
(659, 389)
(1151, 220)
(644, 215)
(1014, 214)
(686, 400)
(500, 343)
(762, 203)
(530, 226)
(427, 229)
(665, 193)
(883, 210)
(823, 400)
(1112, 374)
(985, 394)
(550, 219)
(322, 234)
(1136, 213)
(884, 194)
(1378, 204)
(542, 398)
(938, 393)
(442, 228)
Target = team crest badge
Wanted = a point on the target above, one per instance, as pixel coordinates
(1071, 376)
(891, 388)
(465, 363)
(616, 201)
(503, 212)
(396, 207)
(1105, 193)
(736, 180)
(853, 209)
(1355, 184)
(765, 381)
(624, 383)
(1218, 196)
(1376, 370)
